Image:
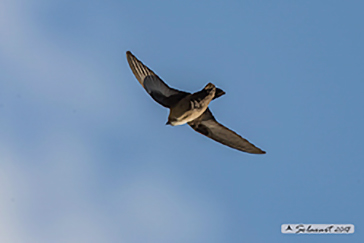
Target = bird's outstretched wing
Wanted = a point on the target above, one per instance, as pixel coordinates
(155, 87)
(207, 125)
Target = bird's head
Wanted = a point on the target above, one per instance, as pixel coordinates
(172, 122)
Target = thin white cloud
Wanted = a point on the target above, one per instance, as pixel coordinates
(48, 72)
(50, 198)
(11, 179)
(152, 209)
(48, 179)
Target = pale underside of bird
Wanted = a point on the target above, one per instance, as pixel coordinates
(189, 108)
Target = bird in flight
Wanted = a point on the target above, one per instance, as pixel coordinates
(189, 108)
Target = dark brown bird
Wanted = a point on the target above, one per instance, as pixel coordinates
(189, 108)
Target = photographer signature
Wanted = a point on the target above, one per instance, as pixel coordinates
(311, 228)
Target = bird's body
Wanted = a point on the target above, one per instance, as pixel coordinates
(189, 108)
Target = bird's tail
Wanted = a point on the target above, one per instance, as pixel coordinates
(218, 93)
(209, 86)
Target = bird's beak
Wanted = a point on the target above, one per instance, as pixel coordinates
(168, 123)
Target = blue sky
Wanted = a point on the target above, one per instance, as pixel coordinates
(84, 152)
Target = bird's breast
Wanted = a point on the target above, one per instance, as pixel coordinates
(187, 117)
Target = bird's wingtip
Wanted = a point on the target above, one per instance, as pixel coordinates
(257, 151)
